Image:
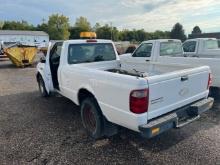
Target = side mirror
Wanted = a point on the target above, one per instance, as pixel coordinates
(43, 59)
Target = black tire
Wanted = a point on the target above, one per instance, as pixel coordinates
(92, 118)
(215, 92)
(42, 88)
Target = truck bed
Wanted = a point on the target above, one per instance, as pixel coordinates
(138, 70)
(153, 68)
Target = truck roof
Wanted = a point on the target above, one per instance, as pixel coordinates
(79, 41)
(193, 39)
(163, 40)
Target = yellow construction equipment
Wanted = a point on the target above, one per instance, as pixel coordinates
(21, 55)
(88, 35)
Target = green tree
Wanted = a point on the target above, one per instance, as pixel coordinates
(1, 24)
(17, 25)
(178, 32)
(160, 35)
(58, 27)
(42, 27)
(104, 32)
(115, 34)
(128, 35)
(75, 32)
(141, 35)
(96, 26)
(83, 24)
(196, 30)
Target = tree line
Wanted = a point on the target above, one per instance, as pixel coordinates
(58, 27)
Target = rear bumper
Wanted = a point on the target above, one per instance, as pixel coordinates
(176, 119)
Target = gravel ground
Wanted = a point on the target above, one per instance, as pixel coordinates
(34, 130)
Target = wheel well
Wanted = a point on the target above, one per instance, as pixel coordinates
(84, 93)
(38, 76)
(110, 129)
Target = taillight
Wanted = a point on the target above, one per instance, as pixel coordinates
(139, 100)
(209, 81)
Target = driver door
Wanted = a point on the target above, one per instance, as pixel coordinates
(51, 66)
(55, 62)
(47, 72)
(141, 58)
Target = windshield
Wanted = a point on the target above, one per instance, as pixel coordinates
(211, 44)
(90, 52)
(170, 48)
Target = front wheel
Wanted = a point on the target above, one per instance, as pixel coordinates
(42, 88)
(92, 118)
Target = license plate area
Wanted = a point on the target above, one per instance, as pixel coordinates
(182, 122)
(201, 106)
(192, 112)
(184, 117)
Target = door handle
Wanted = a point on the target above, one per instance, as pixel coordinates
(184, 78)
(147, 60)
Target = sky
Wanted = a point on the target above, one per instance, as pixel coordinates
(150, 15)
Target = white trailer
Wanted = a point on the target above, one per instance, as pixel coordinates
(34, 38)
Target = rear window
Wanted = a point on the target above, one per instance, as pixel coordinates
(90, 52)
(170, 48)
(211, 44)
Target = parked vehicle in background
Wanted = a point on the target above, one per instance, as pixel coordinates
(2, 54)
(168, 53)
(1, 48)
(219, 44)
(144, 99)
(202, 47)
(121, 46)
(20, 55)
(131, 49)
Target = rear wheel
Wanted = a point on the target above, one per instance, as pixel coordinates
(215, 92)
(92, 118)
(42, 88)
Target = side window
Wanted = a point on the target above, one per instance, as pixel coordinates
(211, 44)
(189, 46)
(172, 49)
(143, 51)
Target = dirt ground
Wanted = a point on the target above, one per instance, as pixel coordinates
(35, 130)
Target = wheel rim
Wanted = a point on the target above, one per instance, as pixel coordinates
(89, 118)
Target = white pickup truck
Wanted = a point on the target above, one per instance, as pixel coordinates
(168, 53)
(202, 48)
(90, 73)
(205, 51)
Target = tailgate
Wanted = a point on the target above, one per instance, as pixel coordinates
(173, 90)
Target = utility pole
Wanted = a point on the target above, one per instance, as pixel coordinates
(111, 31)
(43, 20)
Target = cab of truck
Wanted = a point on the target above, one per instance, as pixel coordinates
(202, 47)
